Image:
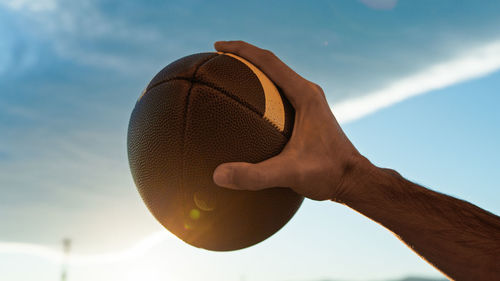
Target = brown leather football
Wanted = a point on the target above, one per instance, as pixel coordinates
(198, 112)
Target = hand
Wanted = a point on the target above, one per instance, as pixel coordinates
(319, 162)
(318, 156)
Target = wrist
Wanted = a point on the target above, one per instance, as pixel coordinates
(355, 183)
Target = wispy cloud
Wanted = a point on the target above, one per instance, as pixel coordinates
(73, 29)
(471, 64)
(47, 253)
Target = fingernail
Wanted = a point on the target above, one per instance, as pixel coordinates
(221, 176)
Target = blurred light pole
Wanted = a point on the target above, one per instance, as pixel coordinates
(66, 249)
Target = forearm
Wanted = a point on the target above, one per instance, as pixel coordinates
(458, 238)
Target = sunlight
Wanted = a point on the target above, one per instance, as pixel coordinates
(136, 250)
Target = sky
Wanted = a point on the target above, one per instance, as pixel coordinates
(413, 83)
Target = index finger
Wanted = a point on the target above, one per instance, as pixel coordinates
(280, 73)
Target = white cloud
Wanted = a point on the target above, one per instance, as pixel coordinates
(30, 5)
(471, 64)
(74, 28)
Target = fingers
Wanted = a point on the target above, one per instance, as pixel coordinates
(273, 172)
(281, 74)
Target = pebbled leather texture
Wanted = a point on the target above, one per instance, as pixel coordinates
(198, 112)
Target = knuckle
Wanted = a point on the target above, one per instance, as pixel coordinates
(316, 89)
(266, 54)
(230, 171)
(260, 177)
(316, 93)
(238, 45)
(246, 175)
(313, 94)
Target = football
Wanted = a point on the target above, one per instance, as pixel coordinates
(198, 112)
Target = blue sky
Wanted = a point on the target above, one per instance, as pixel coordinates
(415, 84)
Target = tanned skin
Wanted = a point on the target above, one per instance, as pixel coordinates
(459, 239)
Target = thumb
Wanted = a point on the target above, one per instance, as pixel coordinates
(273, 172)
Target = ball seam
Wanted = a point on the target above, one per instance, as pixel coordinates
(186, 107)
(226, 93)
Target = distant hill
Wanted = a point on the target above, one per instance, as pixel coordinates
(420, 279)
(404, 279)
